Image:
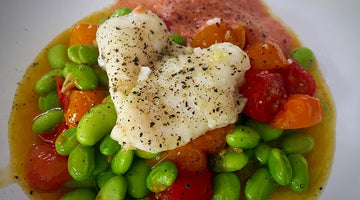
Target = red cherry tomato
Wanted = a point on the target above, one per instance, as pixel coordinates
(63, 98)
(50, 138)
(298, 80)
(265, 92)
(45, 169)
(190, 187)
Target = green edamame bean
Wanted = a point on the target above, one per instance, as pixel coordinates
(57, 56)
(101, 163)
(226, 186)
(136, 178)
(297, 143)
(304, 56)
(102, 76)
(279, 167)
(48, 120)
(66, 141)
(260, 185)
(243, 137)
(79, 194)
(266, 132)
(47, 83)
(96, 123)
(178, 39)
(262, 152)
(85, 77)
(81, 162)
(300, 180)
(145, 155)
(161, 177)
(51, 100)
(102, 178)
(122, 161)
(67, 69)
(121, 12)
(108, 146)
(229, 162)
(114, 188)
(87, 183)
(88, 54)
(73, 54)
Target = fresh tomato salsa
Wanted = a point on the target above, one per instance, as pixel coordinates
(280, 146)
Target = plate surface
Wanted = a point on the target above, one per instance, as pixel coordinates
(329, 27)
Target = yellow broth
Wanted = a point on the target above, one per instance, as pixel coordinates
(25, 108)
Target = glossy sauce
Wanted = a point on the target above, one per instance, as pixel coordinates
(25, 108)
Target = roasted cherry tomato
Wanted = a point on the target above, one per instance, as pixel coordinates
(213, 141)
(190, 187)
(298, 80)
(83, 33)
(187, 158)
(299, 111)
(217, 33)
(265, 92)
(63, 98)
(50, 138)
(80, 103)
(267, 55)
(45, 169)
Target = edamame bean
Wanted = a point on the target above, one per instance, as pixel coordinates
(88, 54)
(144, 154)
(47, 83)
(96, 123)
(108, 146)
(136, 179)
(178, 39)
(81, 162)
(279, 167)
(57, 56)
(297, 143)
(122, 161)
(102, 178)
(266, 132)
(102, 76)
(243, 137)
(304, 56)
(66, 141)
(300, 180)
(101, 163)
(51, 100)
(226, 186)
(260, 185)
(48, 120)
(87, 183)
(229, 162)
(79, 194)
(114, 188)
(67, 68)
(161, 177)
(121, 12)
(85, 77)
(262, 152)
(73, 54)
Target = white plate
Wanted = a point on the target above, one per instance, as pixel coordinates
(329, 27)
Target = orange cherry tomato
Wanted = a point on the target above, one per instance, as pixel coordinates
(267, 55)
(217, 33)
(187, 158)
(83, 33)
(213, 141)
(298, 111)
(80, 103)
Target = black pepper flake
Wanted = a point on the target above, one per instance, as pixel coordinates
(152, 124)
(16, 177)
(31, 192)
(136, 60)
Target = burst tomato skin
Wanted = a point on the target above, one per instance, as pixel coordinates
(188, 187)
(298, 80)
(46, 170)
(265, 92)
